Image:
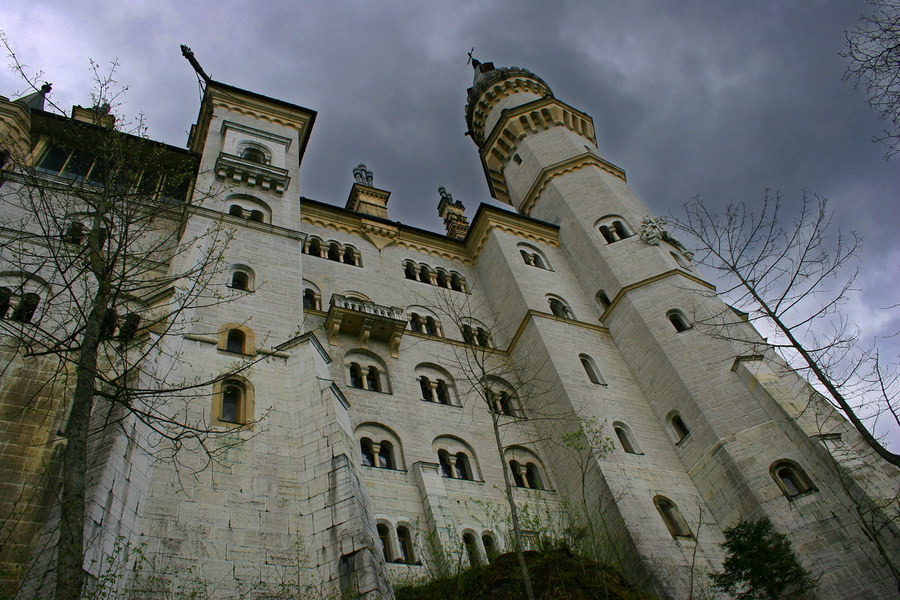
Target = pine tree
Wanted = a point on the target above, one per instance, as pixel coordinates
(760, 564)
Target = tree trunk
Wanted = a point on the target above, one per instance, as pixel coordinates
(513, 512)
(70, 548)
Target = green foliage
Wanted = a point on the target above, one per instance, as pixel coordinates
(556, 574)
(760, 564)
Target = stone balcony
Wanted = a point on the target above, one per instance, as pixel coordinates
(367, 320)
(253, 174)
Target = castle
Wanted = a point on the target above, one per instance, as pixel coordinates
(359, 446)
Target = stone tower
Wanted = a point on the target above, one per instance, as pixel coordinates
(731, 438)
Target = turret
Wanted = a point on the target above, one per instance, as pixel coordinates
(508, 105)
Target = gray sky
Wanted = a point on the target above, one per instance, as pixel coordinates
(719, 98)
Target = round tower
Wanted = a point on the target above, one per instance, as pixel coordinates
(730, 428)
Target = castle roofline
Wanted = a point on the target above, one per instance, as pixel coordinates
(43, 122)
(466, 249)
(284, 113)
(258, 96)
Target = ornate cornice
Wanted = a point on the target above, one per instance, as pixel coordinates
(569, 165)
(383, 234)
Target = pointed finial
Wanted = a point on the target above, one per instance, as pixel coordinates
(362, 175)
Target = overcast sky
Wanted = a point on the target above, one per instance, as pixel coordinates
(720, 98)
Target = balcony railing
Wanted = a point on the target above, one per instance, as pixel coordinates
(237, 169)
(368, 320)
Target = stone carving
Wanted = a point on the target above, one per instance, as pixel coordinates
(362, 175)
(653, 231)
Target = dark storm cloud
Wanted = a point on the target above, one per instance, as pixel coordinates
(721, 99)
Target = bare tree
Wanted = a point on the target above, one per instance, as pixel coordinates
(791, 279)
(873, 49)
(483, 368)
(99, 265)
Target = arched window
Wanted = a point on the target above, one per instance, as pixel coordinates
(679, 427)
(444, 461)
(108, 326)
(356, 379)
(482, 337)
(240, 281)
(590, 368)
(671, 516)
(533, 477)
(257, 216)
(471, 549)
(468, 335)
(236, 211)
(129, 328)
(409, 270)
(501, 402)
(629, 444)
(456, 459)
(443, 394)
(603, 300)
(607, 234)
(372, 379)
(379, 447)
(235, 341)
(517, 473)
(442, 279)
(533, 257)
(490, 546)
(314, 248)
(232, 401)
(791, 478)
(74, 233)
(560, 308)
(334, 252)
(456, 283)
(366, 452)
(349, 256)
(526, 469)
(416, 324)
(425, 385)
(254, 155)
(431, 326)
(364, 370)
(462, 466)
(406, 546)
(310, 299)
(386, 455)
(678, 320)
(27, 307)
(384, 536)
(424, 274)
(232, 396)
(613, 228)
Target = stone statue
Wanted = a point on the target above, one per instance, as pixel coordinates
(653, 231)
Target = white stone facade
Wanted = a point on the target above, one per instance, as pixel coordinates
(358, 432)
